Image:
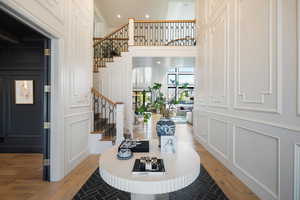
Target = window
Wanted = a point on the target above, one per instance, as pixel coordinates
(181, 85)
(172, 70)
(186, 69)
(186, 78)
(171, 79)
(171, 93)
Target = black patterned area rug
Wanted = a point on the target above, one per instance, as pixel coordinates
(203, 188)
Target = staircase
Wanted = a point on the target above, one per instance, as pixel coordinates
(108, 122)
(105, 49)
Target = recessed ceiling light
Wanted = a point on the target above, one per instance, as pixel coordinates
(119, 16)
(147, 16)
(158, 62)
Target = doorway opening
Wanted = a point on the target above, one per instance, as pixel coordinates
(25, 98)
(162, 84)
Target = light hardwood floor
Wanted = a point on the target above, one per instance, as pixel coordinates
(21, 174)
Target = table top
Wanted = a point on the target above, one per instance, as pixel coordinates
(182, 168)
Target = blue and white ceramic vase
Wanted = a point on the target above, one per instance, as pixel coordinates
(165, 127)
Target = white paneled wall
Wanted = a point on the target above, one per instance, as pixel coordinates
(248, 91)
(69, 23)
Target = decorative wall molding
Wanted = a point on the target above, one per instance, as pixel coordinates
(267, 97)
(298, 67)
(80, 58)
(55, 7)
(211, 121)
(202, 126)
(85, 11)
(218, 61)
(213, 6)
(76, 140)
(274, 194)
(204, 70)
(297, 172)
(291, 129)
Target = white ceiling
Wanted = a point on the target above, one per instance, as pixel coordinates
(156, 9)
(166, 62)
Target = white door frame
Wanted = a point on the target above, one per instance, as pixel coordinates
(57, 78)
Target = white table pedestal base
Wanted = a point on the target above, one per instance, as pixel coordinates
(149, 196)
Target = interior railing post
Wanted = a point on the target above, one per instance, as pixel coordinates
(131, 32)
(119, 123)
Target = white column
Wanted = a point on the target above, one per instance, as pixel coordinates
(131, 32)
(119, 123)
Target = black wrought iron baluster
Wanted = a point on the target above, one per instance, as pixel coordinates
(144, 42)
(114, 121)
(176, 32)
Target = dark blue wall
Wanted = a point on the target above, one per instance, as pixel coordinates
(21, 125)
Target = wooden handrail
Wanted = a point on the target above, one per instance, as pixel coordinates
(98, 94)
(165, 21)
(185, 38)
(110, 34)
(95, 39)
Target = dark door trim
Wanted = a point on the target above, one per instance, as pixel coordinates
(46, 110)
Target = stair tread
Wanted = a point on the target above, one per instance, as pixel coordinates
(107, 138)
(98, 132)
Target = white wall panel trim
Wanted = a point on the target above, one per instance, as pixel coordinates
(212, 6)
(272, 89)
(219, 100)
(293, 129)
(55, 7)
(298, 67)
(72, 160)
(275, 196)
(77, 114)
(224, 155)
(297, 172)
(203, 132)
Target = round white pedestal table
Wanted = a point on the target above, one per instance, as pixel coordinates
(182, 168)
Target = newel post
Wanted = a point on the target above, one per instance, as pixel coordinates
(119, 123)
(131, 32)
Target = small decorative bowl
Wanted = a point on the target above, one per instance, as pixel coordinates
(124, 154)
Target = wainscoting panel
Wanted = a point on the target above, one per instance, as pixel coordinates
(297, 173)
(203, 71)
(218, 61)
(298, 65)
(256, 56)
(201, 121)
(76, 139)
(218, 136)
(261, 115)
(250, 153)
(80, 54)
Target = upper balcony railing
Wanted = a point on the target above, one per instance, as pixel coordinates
(143, 33)
(164, 33)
